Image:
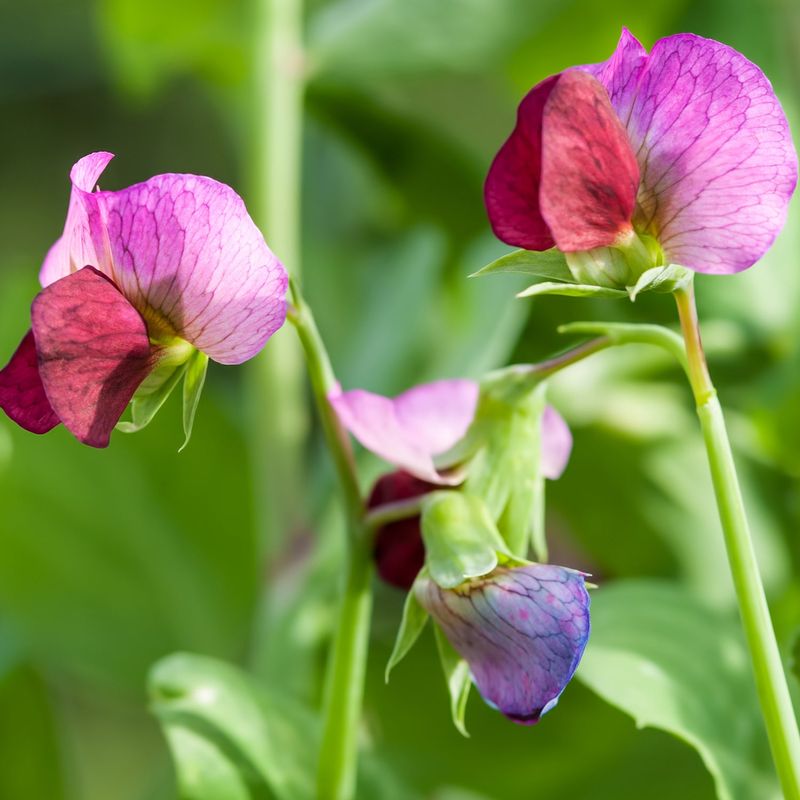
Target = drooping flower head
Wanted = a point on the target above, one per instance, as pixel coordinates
(684, 151)
(140, 277)
(520, 627)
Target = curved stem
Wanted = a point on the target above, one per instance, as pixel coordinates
(387, 513)
(773, 690)
(344, 690)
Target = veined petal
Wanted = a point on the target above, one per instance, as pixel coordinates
(589, 174)
(22, 394)
(511, 191)
(717, 162)
(412, 428)
(556, 444)
(83, 241)
(93, 352)
(522, 631)
(190, 259)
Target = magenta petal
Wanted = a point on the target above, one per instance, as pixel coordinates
(412, 428)
(83, 242)
(511, 192)
(556, 444)
(22, 394)
(716, 157)
(589, 172)
(188, 256)
(522, 631)
(93, 352)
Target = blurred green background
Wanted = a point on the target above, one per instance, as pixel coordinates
(110, 560)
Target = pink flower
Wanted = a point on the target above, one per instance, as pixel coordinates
(687, 145)
(139, 275)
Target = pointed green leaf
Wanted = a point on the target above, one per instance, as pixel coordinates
(192, 389)
(660, 279)
(570, 290)
(674, 663)
(146, 405)
(550, 264)
(461, 541)
(459, 682)
(414, 619)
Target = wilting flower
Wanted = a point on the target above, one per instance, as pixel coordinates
(140, 278)
(522, 630)
(682, 156)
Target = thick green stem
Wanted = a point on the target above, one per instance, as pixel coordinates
(773, 690)
(344, 690)
(279, 420)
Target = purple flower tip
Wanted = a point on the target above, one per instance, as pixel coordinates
(522, 631)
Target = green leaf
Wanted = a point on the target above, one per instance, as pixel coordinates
(672, 663)
(660, 279)
(461, 541)
(362, 41)
(414, 619)
(570, 290)
(459, 682)
(549, 264)
(145, 406)
(192, 389)
(229, 737)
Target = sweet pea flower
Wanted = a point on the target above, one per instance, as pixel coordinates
(399, 552)
(681, 156)
(140, 278)
(522, 631)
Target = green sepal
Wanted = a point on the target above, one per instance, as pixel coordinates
(461, 540)
(196, 369)
(411, 626)
(570, 290)
(459, 681)
(550, 264)
(660, 279)
(149, 398)
(506, 471)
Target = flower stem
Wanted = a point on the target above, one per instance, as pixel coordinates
(773, 690)
(344, 690)
(278, 417)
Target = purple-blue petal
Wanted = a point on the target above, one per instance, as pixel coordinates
(522, 631)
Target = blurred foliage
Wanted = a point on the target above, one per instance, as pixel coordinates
(114, 560)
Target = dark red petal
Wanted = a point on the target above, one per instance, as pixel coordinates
(589, 172)
(93, 352)
(511, 192)
(399, 552)
(22, 394)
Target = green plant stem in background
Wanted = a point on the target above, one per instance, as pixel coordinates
(773, 690)
(344, 689)
(278, 416)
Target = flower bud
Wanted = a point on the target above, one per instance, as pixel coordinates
(522, 630)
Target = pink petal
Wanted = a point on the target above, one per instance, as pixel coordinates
(410, 429)
(511, 192)
(589, 172)
(556, 444)
(82, 243)
(717, 161)
(93, 352)
(188, 256)
(22, 394)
